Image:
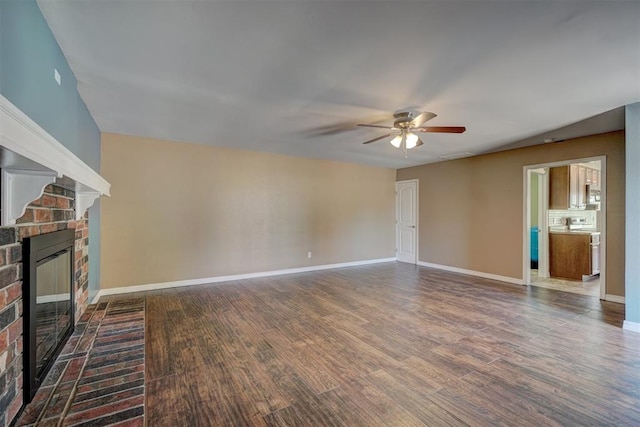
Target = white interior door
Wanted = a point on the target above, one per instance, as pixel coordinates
(407, 221)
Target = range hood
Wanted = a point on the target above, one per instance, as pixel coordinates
(31, 159)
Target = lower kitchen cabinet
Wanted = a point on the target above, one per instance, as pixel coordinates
(572, 255)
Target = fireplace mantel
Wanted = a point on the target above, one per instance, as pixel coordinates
(31, 159)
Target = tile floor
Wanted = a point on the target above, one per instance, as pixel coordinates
(590, 287)
(98, 379)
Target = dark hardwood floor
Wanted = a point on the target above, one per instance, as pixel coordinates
(387, 344)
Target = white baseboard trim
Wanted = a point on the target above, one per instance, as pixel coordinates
(614, 298)
(631, 326)
(218, 279)
(507, 279)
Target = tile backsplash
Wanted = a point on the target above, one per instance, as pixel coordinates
(558, 217)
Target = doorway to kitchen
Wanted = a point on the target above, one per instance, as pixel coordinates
(565, 226)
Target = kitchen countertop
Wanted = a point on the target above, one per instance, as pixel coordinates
(582, 231)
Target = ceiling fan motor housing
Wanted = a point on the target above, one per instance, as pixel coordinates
(403, 119)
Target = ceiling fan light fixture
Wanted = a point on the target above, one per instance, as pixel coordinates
(405, 124)
(397, 141)
(412, 140)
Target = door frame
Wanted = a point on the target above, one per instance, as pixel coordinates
(526, 241)
(417, 211)
(543, 206)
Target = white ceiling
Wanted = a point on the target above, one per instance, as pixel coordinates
(273, 75)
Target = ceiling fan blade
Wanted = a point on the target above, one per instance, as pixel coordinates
(440, 129)
(422, 117)
(378, 138)
(419, 142)
(344, 126)
(376, 126)
(332, 129)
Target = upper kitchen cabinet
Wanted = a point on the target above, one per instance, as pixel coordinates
(560, 188)
(593, 178)
(568, 186)
(578, 189)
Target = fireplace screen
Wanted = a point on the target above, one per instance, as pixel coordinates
(48, 299)
(53, 304)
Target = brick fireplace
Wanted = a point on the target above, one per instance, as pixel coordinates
(53, 211)
(44, 188)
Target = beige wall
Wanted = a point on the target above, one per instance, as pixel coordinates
(471, 210)
(182, 211)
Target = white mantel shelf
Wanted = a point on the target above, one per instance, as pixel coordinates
(31, 159)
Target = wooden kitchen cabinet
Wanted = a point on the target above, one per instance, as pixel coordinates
(559, 187)
(568, 186)
(571, 256)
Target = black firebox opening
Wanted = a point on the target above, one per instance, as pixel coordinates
(48, 303)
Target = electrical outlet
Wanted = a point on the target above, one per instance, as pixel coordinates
(309, 254)
(56, 76)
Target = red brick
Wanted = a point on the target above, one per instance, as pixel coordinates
(74, 368)
(3, 256)
(84, 405)
(15, 330)
(28, 231)
(27, 217)
(110, 382)
(85, 344)
(36, 202)
(59, 399)
(62, 203)
(14, 407)
(42, 215)
(4, 340)
(133, 422)
(14, 254)
(49, 201)
(48, 228)
(49, 422)
(37, 406)
(105, 410)
(13, 292)
(111, 368)
(11, 354)
(8, 275)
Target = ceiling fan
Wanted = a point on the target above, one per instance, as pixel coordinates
(405, 124)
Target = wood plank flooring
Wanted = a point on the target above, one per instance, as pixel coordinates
(386, 345)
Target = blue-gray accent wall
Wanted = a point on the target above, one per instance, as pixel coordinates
(632, 216)
(29, 54)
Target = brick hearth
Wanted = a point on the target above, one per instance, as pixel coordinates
(98, 379)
